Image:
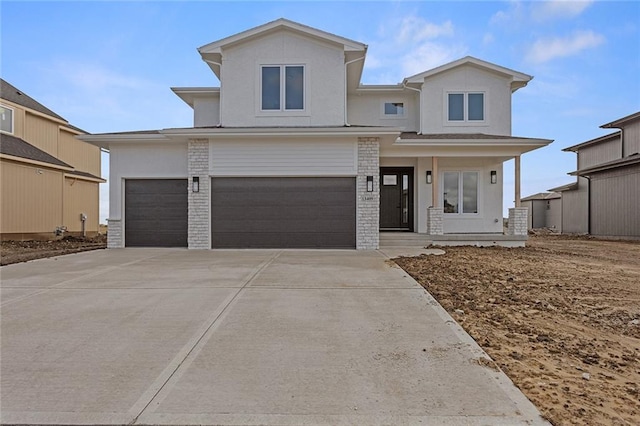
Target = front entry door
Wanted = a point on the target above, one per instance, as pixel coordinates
(396, 199)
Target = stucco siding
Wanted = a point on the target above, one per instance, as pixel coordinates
(599, 153)
(267, 157)
(467, 78)
(575, 210)
(615, 202)
(489, 216)
(206, 111)
(323, 78)
(41, 210)
(81, 196)
(161, 161)
(366, 109)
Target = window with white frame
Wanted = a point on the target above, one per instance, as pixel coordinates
(6, 119)
(282, 87)
(392, 109)
(460, 192)
(465, 106)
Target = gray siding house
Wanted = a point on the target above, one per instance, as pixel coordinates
(544, 211)
(605, 199)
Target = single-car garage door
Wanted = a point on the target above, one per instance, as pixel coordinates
(156, 212)
(266, 212)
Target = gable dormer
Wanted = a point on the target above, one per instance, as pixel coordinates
(284, 74)
(467, 96)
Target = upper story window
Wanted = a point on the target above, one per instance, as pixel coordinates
(393, 109)
(465, 106)
(282, 87)
(6, 119)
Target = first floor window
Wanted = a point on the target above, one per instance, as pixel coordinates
(282, 87)
(465, 107)
(460, 192)
(6, 119)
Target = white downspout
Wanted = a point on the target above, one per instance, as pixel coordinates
(419, 107)
(346, 122)
(221, 91)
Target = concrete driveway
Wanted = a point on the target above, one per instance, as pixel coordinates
(169, 336)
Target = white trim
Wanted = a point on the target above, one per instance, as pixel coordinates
(460, 171)
(384, 102)
(13, 118)
(465, 108)
(283, 111)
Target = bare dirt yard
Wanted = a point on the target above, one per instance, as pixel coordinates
(560, 317)
(22, 251)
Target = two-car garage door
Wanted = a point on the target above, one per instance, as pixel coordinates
(283, 212)
(246, 212)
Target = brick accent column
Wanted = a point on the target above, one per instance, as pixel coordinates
(114, 233)
(199, 218)
(518, 221)
(435, 216)
(368, 203)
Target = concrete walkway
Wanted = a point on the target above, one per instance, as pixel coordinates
(169, 336)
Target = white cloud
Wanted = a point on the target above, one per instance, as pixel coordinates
(547, 49)
(414, 29)
(430, 55)
(558, 9)
(488, 39)
(408, 46)
(514, 13)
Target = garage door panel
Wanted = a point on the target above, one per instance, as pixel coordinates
(156, 212)
(284, 240)
(283, 212)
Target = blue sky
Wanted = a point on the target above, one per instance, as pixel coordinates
(108, 66)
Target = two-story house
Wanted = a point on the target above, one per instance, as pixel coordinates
(605, 199)
(293, 151)
(50, 179)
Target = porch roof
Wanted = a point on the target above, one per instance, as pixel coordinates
(462, 144)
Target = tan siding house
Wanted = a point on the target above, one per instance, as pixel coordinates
(605, 200)
(50, 179)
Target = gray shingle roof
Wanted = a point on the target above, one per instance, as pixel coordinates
(82, 174)
(12, 94)
(457, 136)
(11, 145)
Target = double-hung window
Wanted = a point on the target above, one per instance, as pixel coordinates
(465, 106)
(6, 119)
(460, 192)
(282, 87)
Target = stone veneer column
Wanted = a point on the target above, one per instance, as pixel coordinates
(368, 203)
(518, 221)
(435, 216)
(198, 166)
(114, 233)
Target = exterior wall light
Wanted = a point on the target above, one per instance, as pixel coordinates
(429, 177)
(195, 184)
(494, 177)
(369, 183)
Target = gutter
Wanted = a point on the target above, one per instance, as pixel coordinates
(404, 84)
(221, 92)
(346, 64)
